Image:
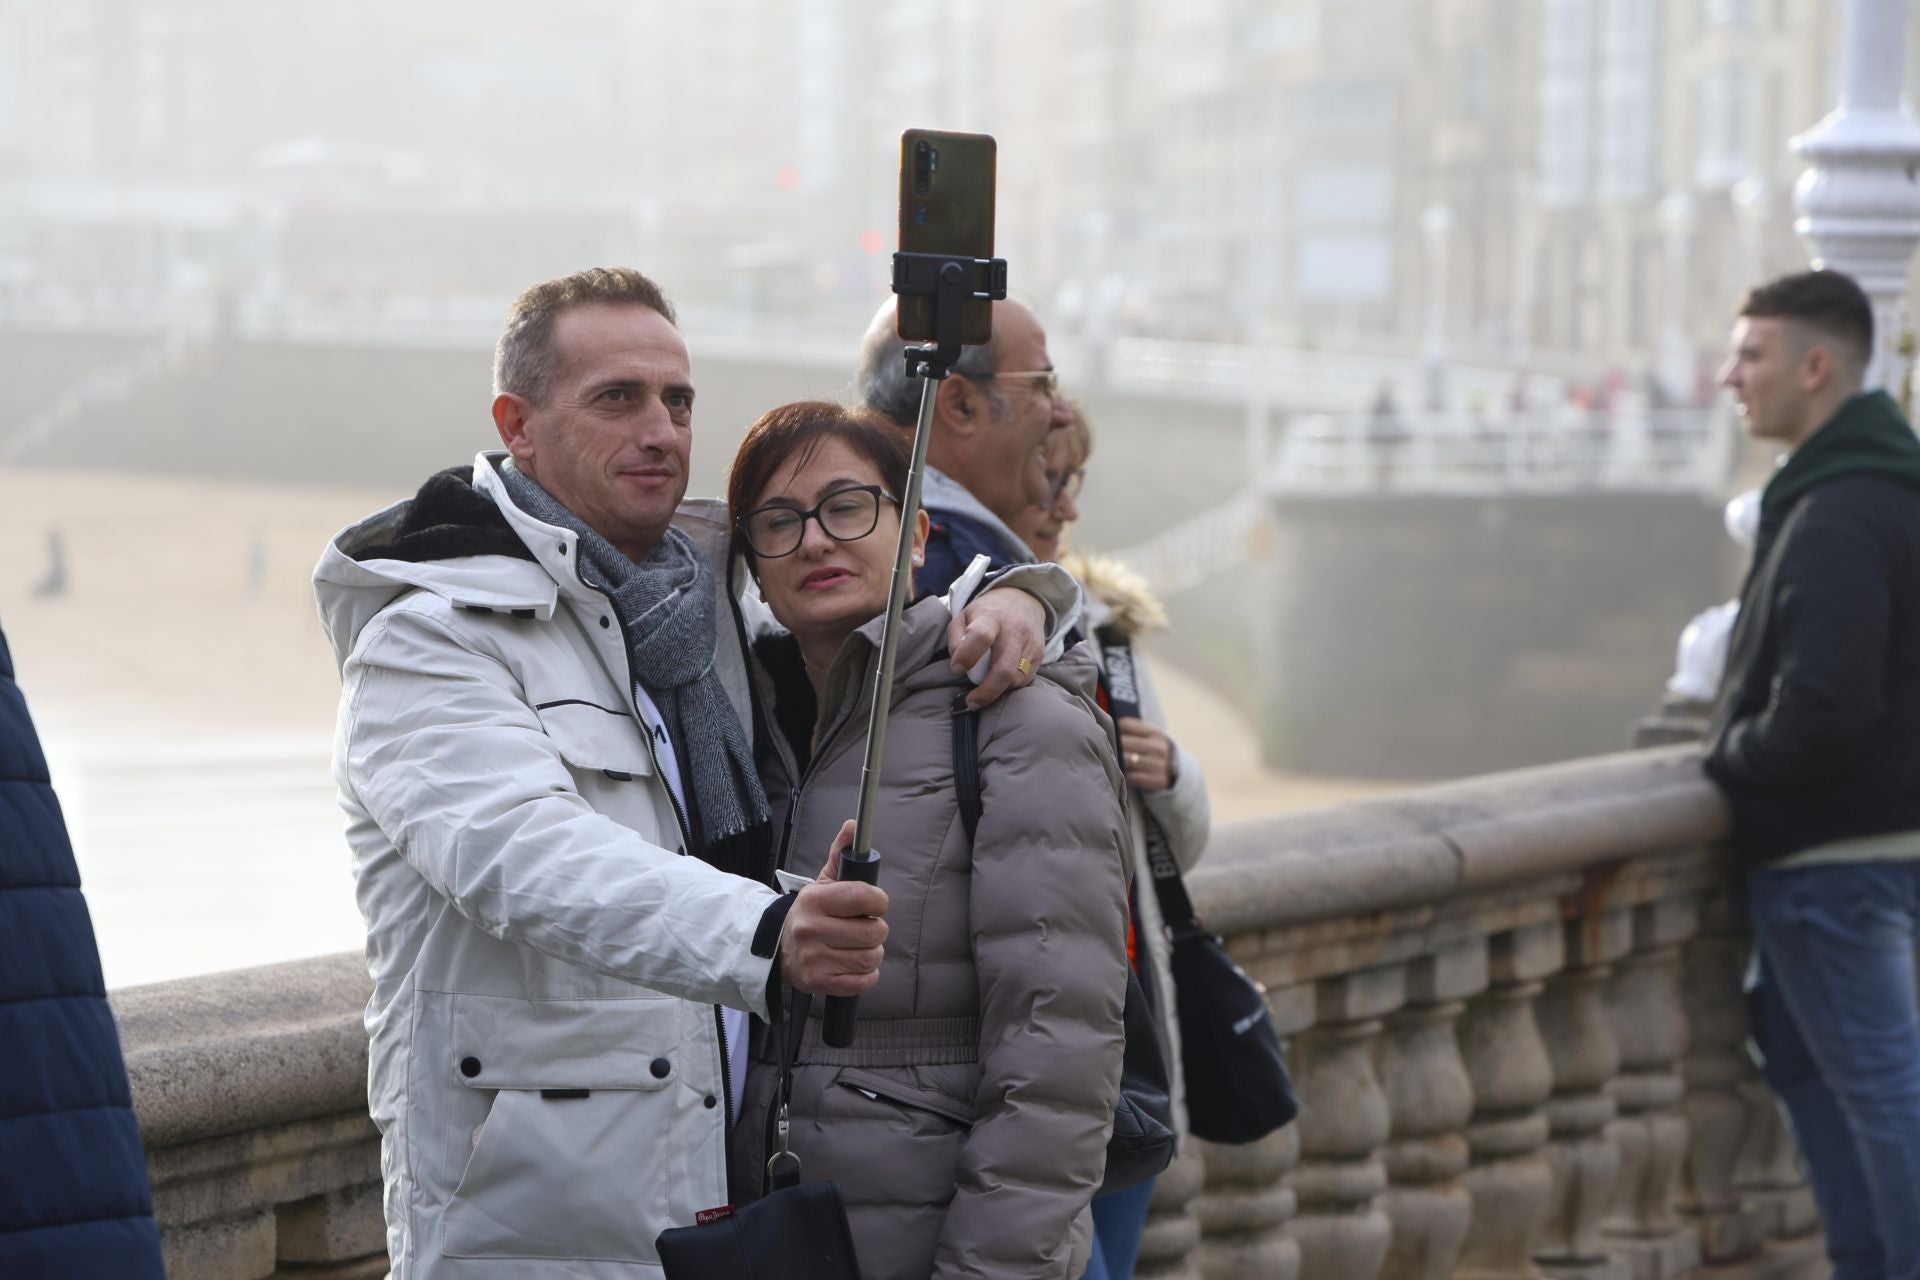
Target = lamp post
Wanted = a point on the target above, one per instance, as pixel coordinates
(1436, 221)
(1676, 349)
(1520, 300)
(1859, 202)
(1751, 198)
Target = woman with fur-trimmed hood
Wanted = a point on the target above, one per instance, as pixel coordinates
(1165, 777)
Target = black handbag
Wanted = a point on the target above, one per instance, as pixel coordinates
(797, 1231)
(1238, 1089)
(1142, 1142)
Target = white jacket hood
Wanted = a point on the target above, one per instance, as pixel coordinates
(462, 538)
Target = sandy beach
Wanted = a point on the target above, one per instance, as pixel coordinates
(186, 698)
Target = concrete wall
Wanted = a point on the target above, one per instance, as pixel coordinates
(304, 413)
(1423, 636)
(1513, 1016)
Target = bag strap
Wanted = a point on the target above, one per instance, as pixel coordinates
(966, 762)
(1117, 669)
(783, 1166)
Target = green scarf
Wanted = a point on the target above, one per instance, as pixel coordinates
(1868, 435)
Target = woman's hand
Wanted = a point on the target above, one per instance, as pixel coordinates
(1146, 754)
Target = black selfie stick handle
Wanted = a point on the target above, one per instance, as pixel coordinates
(837, 1025)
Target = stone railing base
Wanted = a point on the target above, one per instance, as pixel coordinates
(1512, 1010)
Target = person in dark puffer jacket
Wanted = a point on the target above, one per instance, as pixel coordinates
(1816, 743)
(74, 1198)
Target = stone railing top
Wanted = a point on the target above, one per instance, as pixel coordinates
(245, 1049)
(251, 1048)
(1428, 845)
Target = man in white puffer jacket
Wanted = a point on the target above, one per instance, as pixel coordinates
(543, 708)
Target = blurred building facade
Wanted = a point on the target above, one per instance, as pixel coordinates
(1568, 185)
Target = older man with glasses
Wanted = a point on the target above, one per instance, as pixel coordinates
(990, 420)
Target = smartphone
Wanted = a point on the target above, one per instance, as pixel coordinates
(946, 206)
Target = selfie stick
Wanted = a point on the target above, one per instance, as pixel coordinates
(950, 282)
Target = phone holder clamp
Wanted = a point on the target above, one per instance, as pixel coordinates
(950, 281)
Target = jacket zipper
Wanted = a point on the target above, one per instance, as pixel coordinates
(686, 843)
(806, 776)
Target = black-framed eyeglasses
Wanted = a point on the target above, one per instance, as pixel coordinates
(1066, 482)
(845, 515)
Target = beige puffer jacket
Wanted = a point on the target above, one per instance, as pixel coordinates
(967, 1124)
(1119, 604)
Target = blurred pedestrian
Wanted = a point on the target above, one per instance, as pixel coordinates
(53, 582)
(74, 1198)
(1815, 739)
(1387, 434)
(1170, 792)
(256, 578)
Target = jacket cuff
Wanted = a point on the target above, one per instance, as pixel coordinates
(766, 945)
(1057, 591)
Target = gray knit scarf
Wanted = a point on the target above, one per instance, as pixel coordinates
(666, 609)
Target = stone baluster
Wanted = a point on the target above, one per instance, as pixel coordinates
(1572, 1014)
(1719, 1114)
(1430, 1101)
(1768, 1174)
(1768, 1177)
(1245, 1205)
(1171, 1241)
(1341, 1228)
(1245, 1208)
(1510, 1179)
(1650, 1024)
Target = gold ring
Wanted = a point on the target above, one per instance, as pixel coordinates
(1024, 666)
(1133, 757)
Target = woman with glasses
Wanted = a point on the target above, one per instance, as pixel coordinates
(967, 1124)
(1169, 790)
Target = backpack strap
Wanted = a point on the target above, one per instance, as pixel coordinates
(966, 762)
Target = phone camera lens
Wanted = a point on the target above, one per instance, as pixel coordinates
(925, 158)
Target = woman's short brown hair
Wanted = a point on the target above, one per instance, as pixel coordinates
(800, 428)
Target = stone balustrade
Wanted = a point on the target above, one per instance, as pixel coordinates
(1513, 1013)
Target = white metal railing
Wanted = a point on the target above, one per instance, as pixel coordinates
(1676, 451)
(105, 386)
(1302, 379)
(1213, 542)
(1286, 379)
(435, 323)
(105, 312)
(1556, 450)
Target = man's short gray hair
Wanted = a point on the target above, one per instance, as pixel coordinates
(881, 383)
(524, 361)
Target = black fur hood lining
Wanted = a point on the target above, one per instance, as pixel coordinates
(446, 520)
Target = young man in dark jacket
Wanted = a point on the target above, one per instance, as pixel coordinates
(74, 1201)
(1816, 741)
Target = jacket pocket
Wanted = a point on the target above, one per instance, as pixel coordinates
(606, 754)
(881, 1087)
(593, 738)
(573, 1159)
